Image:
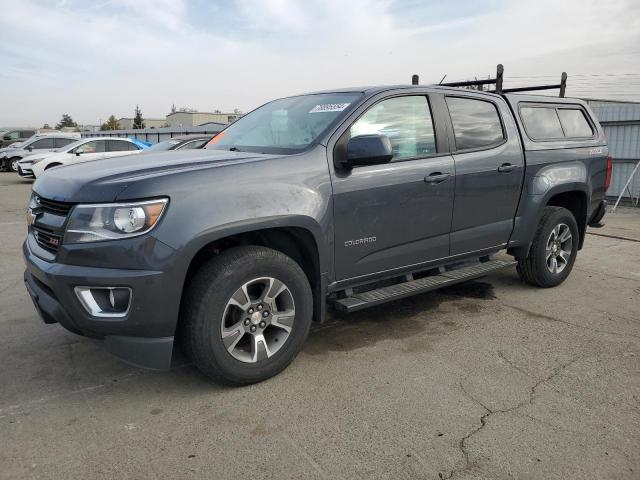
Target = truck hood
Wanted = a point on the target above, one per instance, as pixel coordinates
(103, 180)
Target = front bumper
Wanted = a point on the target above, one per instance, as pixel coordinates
(144, 337)
(25, 171)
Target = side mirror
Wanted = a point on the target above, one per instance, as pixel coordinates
(368, 150)
(30, 148)
(6, 137)
(77, 152)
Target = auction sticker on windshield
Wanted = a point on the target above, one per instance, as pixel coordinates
(329, 107)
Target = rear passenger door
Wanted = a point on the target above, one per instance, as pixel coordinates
(397, 214)
(489, 167)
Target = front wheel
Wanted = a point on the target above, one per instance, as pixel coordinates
(246, 314)
(553, 251)
(13, 164)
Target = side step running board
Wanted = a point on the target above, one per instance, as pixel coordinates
(370, 298)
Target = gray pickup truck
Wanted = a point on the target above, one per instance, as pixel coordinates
(354, 197)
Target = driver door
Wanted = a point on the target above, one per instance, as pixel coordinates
(397, 214)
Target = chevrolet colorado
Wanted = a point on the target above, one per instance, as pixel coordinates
(354, 197)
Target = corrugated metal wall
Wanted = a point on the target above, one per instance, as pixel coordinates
(621, 123)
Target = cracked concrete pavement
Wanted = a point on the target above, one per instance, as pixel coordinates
(492, 379)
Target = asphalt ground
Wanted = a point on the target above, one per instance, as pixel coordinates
(491, 379)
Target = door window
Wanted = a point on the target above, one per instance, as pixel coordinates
(42, 143)
(192, 145)
(406, 121)
(118, 145)
(95, 146)
(61, 142)
(476, 123)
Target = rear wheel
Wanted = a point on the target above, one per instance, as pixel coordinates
(246, 314)
(553, 251)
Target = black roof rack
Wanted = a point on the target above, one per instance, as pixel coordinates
(562, 86)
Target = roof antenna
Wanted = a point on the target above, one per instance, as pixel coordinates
(414, 79)
(442, 80)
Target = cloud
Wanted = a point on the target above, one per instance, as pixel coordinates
(95, 59)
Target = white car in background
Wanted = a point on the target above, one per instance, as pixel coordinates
(83, 150)
(39, 143)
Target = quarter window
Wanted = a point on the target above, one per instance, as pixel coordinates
(574, 122)
(405, 120)
(541, 123)
(476, 123)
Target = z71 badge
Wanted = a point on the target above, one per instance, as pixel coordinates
(359, 241)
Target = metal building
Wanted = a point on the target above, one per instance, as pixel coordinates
(621, 123)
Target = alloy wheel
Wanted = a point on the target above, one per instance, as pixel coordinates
(559, 248)
(258, 319)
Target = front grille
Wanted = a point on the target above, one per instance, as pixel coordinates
(47, 239)
(53, 206)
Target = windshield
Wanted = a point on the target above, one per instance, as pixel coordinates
(288, 125)
(166, 145)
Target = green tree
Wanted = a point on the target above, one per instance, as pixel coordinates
(110, 124)
(66, 121)
(138, 121)
(46, 127)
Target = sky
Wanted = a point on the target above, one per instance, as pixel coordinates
(91, 59)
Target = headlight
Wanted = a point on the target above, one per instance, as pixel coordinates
(30, 160)
(94, 223)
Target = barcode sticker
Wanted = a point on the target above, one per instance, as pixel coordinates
(329, 107)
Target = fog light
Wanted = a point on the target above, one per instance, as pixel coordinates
(105, 302)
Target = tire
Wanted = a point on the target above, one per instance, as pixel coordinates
(551, 242)
(13, 164)
(211, 308)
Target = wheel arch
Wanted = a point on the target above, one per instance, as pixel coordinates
(573, 196)
(296, 237)
(576, 202)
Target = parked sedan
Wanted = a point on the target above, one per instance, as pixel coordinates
(39, 143)
(184, 142)
(83, 150)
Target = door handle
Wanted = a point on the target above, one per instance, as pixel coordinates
(436, 177)
(506, 168)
